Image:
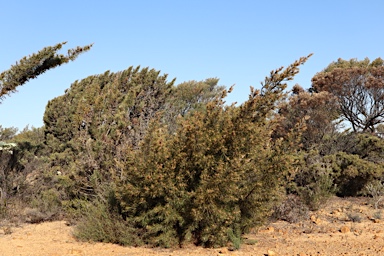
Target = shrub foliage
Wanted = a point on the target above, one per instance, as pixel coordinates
(140, 161)
(211, 180)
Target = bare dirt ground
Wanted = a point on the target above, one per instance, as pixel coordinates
(342, 227)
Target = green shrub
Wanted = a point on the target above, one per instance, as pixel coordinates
(375, 189)
(351, 173)
(213, 179)
(99, 224)
(314, 182)
(318, 192)
(46, 205)
(341, 173)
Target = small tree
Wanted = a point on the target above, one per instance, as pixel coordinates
(318, 111)
(359, 89)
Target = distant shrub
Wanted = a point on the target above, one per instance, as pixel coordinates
(292, 210)
(378, 215)
(344, 174)
(375, 189)
(45, 206)
(354, 217)
(352, 173)
(313, 182)
(317, 193)
(34, 215)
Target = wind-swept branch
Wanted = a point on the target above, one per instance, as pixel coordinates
(34, 65)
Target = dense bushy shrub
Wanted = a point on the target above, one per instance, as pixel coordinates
(212, 179)
(314, 181)
(107, 114)
(352, 162)
(104, 114)
(351, 173)
(25, 183)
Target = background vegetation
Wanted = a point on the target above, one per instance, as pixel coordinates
(134, 159)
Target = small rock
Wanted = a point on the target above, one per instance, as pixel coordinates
(332, 230)
(223, 251)
(271, 253)
(315, 220)
(335, 212)
(345, 229)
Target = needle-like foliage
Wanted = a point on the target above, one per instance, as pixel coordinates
(34, 65)
(214, 178)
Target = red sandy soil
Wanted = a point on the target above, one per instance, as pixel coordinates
(342, 227)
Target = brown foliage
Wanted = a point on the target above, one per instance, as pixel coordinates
(359, 89)
(215, 177)
(316, 111)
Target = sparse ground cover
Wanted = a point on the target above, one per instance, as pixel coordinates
(344, 226)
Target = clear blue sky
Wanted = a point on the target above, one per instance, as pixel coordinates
(236, 41)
